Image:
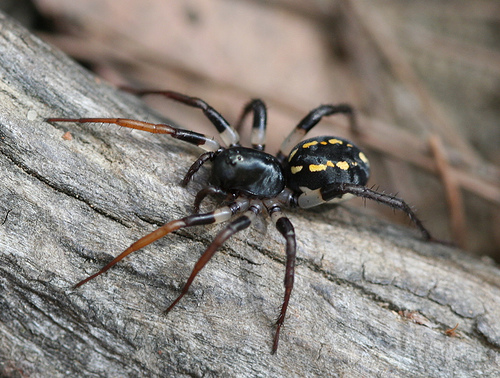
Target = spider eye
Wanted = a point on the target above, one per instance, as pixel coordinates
(236, 159)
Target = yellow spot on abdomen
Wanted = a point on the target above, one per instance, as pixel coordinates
(317, 167)
(320, 167)
(344, 165)
(292, 153)
(296, 169)
(307, 145)
(335, 141)
(363, 158)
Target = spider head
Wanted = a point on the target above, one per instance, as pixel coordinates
(251, 172)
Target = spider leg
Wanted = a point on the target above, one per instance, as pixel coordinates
(209, 190)
(338, 191)
(286, 229)
(157, 128)
(258, 136)
(232, 228)
(220, 215)
(202, 159)
(311, 120)
(227, 133)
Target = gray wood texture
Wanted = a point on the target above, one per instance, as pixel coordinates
(370, 298)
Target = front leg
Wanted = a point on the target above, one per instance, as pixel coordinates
(227, 133)
(192, 137)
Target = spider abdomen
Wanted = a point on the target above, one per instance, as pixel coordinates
(318, 162)
(247, 171)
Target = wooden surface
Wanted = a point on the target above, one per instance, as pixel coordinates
(370, 298)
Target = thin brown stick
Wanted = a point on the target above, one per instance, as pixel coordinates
(452, 191)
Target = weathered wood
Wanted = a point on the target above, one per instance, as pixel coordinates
(68, 206)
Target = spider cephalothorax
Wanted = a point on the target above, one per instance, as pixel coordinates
(305, 174)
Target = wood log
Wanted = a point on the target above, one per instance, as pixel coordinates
(370, 298)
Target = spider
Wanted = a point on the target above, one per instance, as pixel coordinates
(303, 174)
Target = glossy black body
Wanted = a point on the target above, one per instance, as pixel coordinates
(241, 170)
(318, 162)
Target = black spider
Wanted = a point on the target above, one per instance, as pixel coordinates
(305, 174)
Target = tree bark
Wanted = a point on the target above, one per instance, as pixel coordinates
(370, 298)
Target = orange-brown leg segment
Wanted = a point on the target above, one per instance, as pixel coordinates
(237, 225)
(228, 135)
(142, 242)
(192, 137)
(219, 215)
